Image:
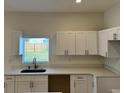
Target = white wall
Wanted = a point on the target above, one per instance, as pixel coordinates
(112, 19)
(35, 24)
(112, 16)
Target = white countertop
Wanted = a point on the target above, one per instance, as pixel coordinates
(98, 72)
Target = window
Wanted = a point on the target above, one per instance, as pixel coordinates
(37, 48)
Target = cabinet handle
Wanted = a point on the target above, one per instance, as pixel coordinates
(67, 52)
(87, 52)
(106, 54)
(32, 84)
(114, 36)
(92, 84)
(4, 85)
(80, 77)
(74, 84)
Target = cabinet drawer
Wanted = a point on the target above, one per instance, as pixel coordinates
(9, 78)
(40, 78)
(79, 77)
(32, 78)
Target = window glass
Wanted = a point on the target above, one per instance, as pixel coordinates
(37, 48)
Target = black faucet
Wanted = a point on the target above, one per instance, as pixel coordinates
(34, 62)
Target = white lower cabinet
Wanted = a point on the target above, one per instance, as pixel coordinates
(25, 84)
(9, 84)
(22, 87)
(40, 86)
(39, 83)
(107, 84)
(81, 84)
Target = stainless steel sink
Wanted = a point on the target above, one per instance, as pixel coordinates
(33, 70)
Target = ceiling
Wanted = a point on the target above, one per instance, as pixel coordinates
(58, 5)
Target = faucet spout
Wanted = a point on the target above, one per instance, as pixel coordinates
(34, 62)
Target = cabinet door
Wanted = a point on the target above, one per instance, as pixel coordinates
(71, 43)
(106, 84)
(23, 87)
(40, 83)
(91, 43)
(114, 49)
(9, 84)
(80, 86)
(114, 33)
(91, 84)
(80, 43)
(65, 43)
(31, 84)
(103, 43)
(9, 87)
(15, 42)
(39, 86)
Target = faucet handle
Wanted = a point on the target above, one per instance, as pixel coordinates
(29, 67)
(36, 66)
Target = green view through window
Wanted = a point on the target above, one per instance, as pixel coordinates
(34, 48)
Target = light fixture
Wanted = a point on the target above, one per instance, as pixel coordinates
(78, 1)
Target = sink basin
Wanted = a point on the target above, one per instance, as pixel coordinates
(33, 70)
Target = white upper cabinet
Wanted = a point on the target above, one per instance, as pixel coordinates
(114, 33)
(15, 42)
(65, 43)
(118, 33)
(105, 36)
(91, 42)
(76, 43)
(80, 43)
(103, 43)
(86, 43)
